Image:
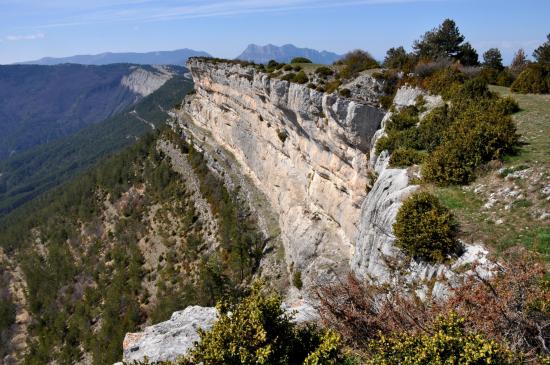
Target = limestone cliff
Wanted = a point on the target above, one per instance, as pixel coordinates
(305, 162)
(306, 150)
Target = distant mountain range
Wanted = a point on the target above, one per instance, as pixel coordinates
(177, 57)
(285, 53)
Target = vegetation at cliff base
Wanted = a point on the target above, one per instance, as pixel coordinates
(96, 275)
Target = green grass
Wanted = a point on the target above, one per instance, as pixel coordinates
(520, 225)
(533, 123)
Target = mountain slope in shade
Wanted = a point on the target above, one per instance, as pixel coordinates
(176, 57)
(40, 104)
(31, 173)
(285, 53)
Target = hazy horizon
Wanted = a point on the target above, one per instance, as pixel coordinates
(31, 29)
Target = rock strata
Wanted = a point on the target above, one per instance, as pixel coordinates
(306, 150)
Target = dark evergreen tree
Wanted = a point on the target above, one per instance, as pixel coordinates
(396, 58)
(493, 59)
(443, 41)
(468, 55)
(542, 54)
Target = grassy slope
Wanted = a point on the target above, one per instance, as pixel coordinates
(517, 221)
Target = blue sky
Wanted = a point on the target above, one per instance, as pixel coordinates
(30, 29)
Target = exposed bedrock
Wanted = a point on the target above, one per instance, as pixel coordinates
(306, 150)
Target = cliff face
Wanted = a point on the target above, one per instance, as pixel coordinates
(307, 151)
(304, 161)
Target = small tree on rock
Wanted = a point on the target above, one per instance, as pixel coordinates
(425, 229)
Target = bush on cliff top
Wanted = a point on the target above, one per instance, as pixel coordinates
(425, 229)
(300, 60)
(355, 62)
(473, 129)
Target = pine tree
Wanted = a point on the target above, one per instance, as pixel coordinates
(493, 59)
(443, 41)
(542, 54)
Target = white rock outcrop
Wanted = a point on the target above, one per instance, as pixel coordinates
(167, 340)
(144, 81)
(306, 150)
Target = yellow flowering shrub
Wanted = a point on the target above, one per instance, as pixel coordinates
(447, 343)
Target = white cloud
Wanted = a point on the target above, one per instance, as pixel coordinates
(27, 37)
(113, 11)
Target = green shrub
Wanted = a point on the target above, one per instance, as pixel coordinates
(300, 60)
(447, 342)
(506, 106)
(397, 58)
(444, 82)
(346, 93)
(403, 157)
(385, 143)
(425, 229)
(386, 101)
(297, 279)
(534, 79)
(300, 78)
(355, 62)
(432, 127)
(489, 74)
(505, 78)
(324, 71)
(272, 64)
(258, 331)
(406, 118)
(287, 67)
(332, 86)
(288, 77)
(476, 136)
(474, 89)
(297, 68)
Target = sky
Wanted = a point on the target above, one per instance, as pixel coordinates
(31, 29)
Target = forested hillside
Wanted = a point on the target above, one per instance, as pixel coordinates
(41, 104)
(120, 246)
(30, 173)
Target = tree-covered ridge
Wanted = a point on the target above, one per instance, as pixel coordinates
(41, 104)
(29, 174)
(123, 245)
